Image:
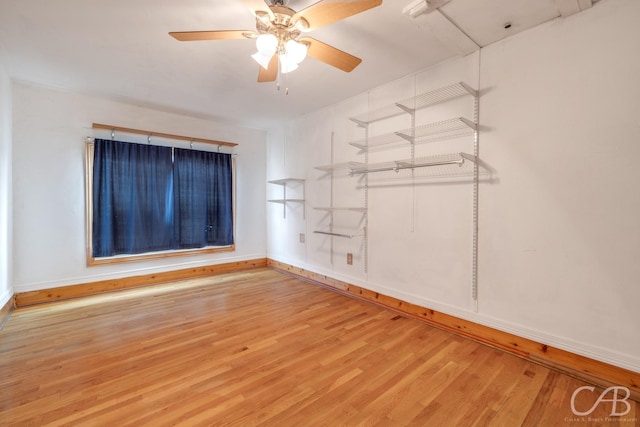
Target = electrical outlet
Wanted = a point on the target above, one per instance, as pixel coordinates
(301, 237)
(350, 258)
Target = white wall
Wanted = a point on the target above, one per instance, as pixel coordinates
(6, 288)
(49, 130)
(560, 236)
(558, 239)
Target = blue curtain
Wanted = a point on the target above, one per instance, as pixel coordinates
(132, 198)
(145, 201)
(203, 199)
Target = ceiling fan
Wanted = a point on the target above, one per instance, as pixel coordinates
(278, 31)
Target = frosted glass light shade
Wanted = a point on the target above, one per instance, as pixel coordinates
(296, 51)
(267, 44)
(261, 59)
(287, 64)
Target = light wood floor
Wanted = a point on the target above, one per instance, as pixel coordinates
(262, 348)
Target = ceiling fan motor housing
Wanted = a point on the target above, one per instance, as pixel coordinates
(281, 24)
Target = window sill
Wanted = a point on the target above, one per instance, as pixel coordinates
(118, 259)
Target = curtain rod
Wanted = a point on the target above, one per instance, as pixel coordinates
(162, 135)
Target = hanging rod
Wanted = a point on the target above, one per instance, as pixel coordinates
(163, 135)
(330, 233)
(407, 165)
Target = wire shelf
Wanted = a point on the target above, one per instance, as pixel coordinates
(286, 200)
(377, 115)
(431, 132)
(437, 96)
(284, 181)
(414, 103)
(333, 209)
(339, 166)
(444, 165)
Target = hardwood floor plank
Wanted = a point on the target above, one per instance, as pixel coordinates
(581, 367)
(262, 348)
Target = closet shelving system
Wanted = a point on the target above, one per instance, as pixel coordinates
(445, 165)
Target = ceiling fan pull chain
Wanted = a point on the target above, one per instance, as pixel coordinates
(284, 81)
(279, 74)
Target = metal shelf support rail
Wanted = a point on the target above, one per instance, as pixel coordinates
(476, 185)
(366, 204)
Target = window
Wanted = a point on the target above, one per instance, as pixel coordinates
(146, 201)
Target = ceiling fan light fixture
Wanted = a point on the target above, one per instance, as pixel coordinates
(267, 44)
(261, 59)
(296, 51)
(287, 64)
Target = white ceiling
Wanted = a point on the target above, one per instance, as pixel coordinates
(120, 49)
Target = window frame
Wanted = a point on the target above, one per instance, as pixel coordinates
(118, 259)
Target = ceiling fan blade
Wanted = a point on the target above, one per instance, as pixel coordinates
(330, 55)
(329, 11)
(270, 74)
(258, 6)
(188, 36)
